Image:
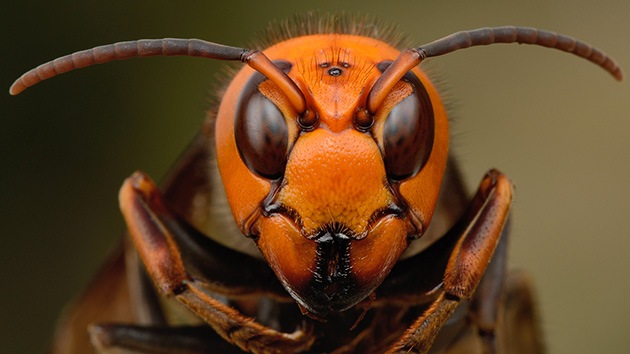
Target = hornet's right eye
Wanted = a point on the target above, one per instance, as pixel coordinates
(408, 131)
(261, 131)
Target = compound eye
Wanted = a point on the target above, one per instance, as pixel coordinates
(408, 131)
(261, 131)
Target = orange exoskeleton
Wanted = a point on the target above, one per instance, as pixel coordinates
(332, 148)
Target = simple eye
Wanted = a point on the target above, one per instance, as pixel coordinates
(261, 131)
(408, 131)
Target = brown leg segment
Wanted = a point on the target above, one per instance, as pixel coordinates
(521, 327)
(144, 212)
(488, 298)
(483, 224)
(117, 338)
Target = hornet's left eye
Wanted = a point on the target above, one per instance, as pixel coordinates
(261, 131)
(408, 131)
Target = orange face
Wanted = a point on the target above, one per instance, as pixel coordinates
(332, 196)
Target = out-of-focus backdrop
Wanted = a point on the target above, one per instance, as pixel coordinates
(559, 126)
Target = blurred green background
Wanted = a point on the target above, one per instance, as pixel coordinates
(557, 125)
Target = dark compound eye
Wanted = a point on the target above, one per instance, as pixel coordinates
(408, 131)
(260, 130)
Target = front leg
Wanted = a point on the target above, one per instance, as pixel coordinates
(480, 229)
(123, 338)
(153, 230)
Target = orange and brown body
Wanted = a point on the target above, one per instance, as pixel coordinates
(331, 150)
